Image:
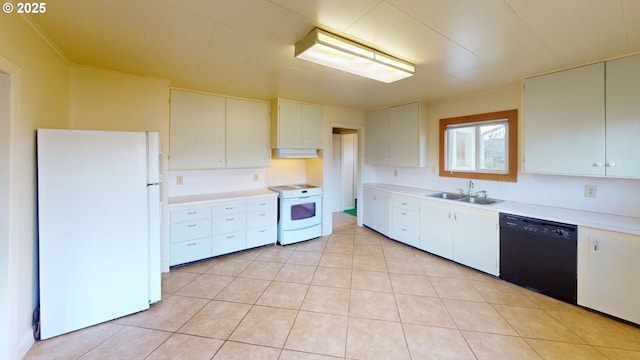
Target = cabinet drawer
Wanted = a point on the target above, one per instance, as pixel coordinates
(190, 230)
(405, 204)
(228, 243)
(405, 234)
(262, 236)
(261, 218)
(190, 214)
(190, 250)
(226, 209)
(405, 217)
(261, 205)
(228, 224)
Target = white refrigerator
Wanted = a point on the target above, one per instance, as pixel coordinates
(98, 226)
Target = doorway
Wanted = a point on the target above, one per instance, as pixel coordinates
(345, 170)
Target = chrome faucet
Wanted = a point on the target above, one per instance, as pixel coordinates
(469, 187)
(483, 192)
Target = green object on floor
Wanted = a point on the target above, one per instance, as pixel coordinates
(354, 211)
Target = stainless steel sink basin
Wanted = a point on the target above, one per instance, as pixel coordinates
(479, 201)
(446, 195)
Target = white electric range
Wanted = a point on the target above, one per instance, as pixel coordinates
(299, 212)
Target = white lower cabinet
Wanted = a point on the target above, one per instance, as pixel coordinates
(405, 220)
(464, 234)
(223, 227)
(376, 211)
(608, 268)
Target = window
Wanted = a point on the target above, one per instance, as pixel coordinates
(480, 146)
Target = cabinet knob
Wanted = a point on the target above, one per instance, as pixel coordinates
(596, 245)
(597, 164)
(611, 164)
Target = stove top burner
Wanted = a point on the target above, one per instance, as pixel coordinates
(296, 190)
(293, 187)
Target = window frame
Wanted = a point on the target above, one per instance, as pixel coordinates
(512, 146)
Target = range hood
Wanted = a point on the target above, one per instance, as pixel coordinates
(295, 153)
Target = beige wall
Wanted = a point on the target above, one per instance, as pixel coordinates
(40, 86)
(106, 100)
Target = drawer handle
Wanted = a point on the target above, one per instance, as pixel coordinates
(230, 208)
(231, 236)
(403, 229)
(230, 219)
(192, 212)
(404, 203)
(262, 214)
(262, 204)
(192, 225)
(191, 244)
(403, 213)
(263, 230)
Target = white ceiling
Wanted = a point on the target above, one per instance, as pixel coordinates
(245, 47)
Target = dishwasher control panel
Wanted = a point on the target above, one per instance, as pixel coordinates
(537, 226)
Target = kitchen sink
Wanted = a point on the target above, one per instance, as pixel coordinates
(449, 196)
(479, 201)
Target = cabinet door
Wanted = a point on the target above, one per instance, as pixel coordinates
(377, 137)
(248, 131)
(564, 122)
(368, 208)
(436, 232)
(476, 239)
(383, 213)
(289, 125)
(197, 131)
(612, 267)
(623, 117)
(311, 126)
(404, 136)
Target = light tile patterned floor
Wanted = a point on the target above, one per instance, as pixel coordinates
(352, 295)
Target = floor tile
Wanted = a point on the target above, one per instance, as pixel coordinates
(180, 346)
(315, 245)
(283, 295)
(369, 263)
(339, 247)
(330, 300)
(373, 305)
(198, 267)
(368, 250)
(277, 254)
(500, 292)
(324, 334)
(553, 350)
(491, 346)
(266, 326)
(336, 260)
(434, 343)
(229, 266)
(422, 310)
(404, 265)
(169, 314)
(217, 320)
(332, 277)
(261, 270)
(122, 346)
(74, 344)
(477, 316)
(458, 289)
(173, 281)
(302, 274)
(370, 280)
(374, 339)
(537, 324)
(205, 286)
(412, 285)
(619, 354)
(243, 290)
(305, 258)
(237, 351)
(297, 355)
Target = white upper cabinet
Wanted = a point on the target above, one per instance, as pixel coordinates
(623, 117)
(584, 121)
(395, 137)
(564, 122)
(248, 127)
(197, 131)
(296, 125)
(214, 132)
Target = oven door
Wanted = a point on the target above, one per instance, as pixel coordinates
(300, 213)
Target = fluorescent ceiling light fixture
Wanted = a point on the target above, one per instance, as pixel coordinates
(339, 53)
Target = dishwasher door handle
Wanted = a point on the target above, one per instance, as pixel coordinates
(596, 245)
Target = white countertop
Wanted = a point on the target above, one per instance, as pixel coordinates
(200, 198)
(610, 222)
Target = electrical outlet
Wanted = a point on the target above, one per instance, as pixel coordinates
(179, 180)
(590, 191)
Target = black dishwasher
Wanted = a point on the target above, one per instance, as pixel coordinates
(540, 255)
